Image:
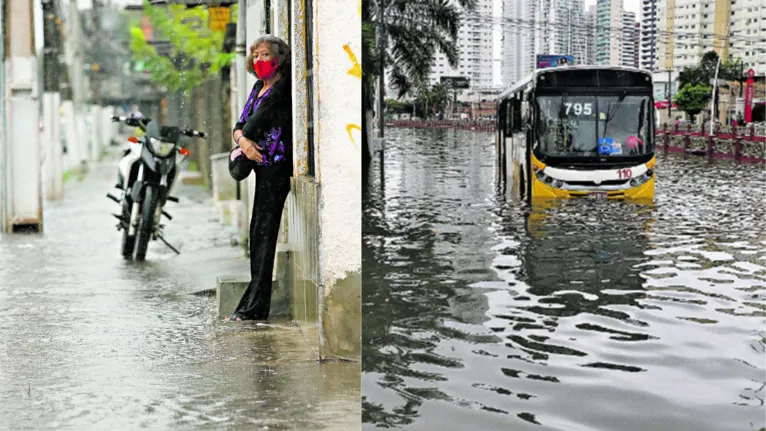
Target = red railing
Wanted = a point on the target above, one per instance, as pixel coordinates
(743, 143)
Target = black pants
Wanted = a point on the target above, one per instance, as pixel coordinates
(271, 189)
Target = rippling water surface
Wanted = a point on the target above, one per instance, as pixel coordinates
(480, 313)
(89, 341)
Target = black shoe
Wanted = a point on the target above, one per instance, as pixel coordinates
(236, 317)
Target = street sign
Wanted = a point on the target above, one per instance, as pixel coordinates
(749, 95)
(456, 82)
(219, 17)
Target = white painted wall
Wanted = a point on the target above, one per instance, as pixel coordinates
(337, 102)
(52, 163)
(23, 140)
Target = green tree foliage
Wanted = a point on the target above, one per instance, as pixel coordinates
(394, 106)
(195, 50)
(430, 100)
(702, 73)
(692, 99)
(416, 31)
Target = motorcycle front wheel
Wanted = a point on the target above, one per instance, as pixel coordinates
(146, 225)
(128, 241)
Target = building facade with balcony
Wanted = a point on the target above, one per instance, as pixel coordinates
(649, 36)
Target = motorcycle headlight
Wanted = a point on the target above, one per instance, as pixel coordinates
(160, 148)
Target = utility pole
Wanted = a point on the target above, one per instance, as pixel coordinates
(382, 66)
(23, 207)
(714, 106)
(51, 100)
(96, 67)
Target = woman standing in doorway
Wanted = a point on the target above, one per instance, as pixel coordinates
(263, 136)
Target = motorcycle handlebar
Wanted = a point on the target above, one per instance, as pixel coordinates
(195, 133)
(130, 121)
(141, 122)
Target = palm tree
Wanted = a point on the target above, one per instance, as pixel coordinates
(415, 31)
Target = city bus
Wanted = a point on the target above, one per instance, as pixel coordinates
(578, 132)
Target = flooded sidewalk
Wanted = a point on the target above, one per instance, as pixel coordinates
(90, 341)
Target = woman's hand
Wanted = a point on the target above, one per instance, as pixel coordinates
(251, 149)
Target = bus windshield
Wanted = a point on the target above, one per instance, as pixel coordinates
(594, 126)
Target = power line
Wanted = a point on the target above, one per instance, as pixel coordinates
(543, 25)
(664, 37)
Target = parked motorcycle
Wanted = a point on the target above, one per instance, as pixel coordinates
(146, 174)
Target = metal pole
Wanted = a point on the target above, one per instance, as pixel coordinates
(670, 93)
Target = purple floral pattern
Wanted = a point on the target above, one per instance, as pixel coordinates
(273, 147)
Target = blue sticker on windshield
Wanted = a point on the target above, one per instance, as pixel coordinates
(607, 146)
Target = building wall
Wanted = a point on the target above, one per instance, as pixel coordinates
(337, 101)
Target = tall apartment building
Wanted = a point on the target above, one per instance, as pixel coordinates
(637, 45)
(534, 27)
(609, 31)
(649, 35)
(590, 22)
(690, 28)
(748, 30)
(475, 44)
(629, 37)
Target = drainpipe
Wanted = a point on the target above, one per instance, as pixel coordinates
(3, 128)
(241, 50)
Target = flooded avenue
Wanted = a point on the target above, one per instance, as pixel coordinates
(89, 341)
(481, 313)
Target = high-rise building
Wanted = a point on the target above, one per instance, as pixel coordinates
(609, 31)
(629, 37)
(690, 28)
(590, 23)
(637, 45)
(533, 27)
(517, 41)
(748, 34)
(475, 43)
(649, 35)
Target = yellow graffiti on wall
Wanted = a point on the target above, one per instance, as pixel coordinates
(349, 128)
(359, 8)
(356, 69)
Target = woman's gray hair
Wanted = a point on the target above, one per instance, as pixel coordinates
(278, 48)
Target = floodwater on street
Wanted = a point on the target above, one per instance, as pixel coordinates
(482, 313)
(89, 341)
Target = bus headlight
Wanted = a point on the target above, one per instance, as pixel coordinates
(548, 180)
(642, 179)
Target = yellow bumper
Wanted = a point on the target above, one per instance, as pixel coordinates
(543, 191)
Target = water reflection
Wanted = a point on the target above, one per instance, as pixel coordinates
(567, 315)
